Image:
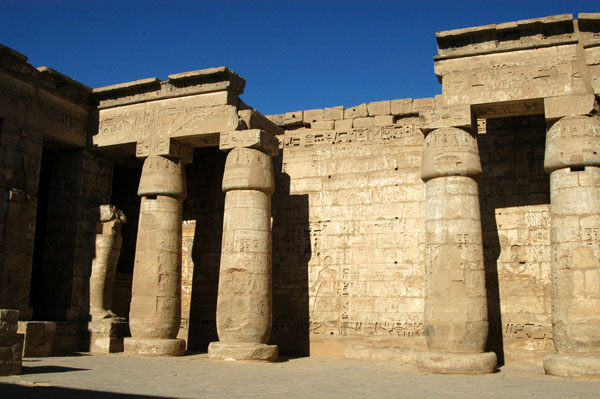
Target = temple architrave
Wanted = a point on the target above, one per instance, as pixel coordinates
(460, 232)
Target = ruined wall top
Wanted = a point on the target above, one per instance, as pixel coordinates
(15, 63)
(358, 116)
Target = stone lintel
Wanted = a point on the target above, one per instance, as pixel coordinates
(178, 85)
(253, 138)
(510, 36)
(237, 83)
(451, 116)
(509, 108)
(164, 146)
(572, 105)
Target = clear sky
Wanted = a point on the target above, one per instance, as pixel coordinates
(293, 54)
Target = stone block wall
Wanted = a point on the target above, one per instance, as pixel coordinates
(348, 233)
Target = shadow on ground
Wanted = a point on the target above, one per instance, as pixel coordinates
(25, 392)
(47, 369)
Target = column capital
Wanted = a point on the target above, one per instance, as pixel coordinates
(251, 138)
(450, 151)
(573, 141)
(164, 146)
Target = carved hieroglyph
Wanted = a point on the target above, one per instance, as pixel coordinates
(244, 309)
(456, 324)
(104, 264)
(155, 311)
(572, 158)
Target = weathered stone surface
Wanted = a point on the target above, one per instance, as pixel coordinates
(11, 343)
(456, 317)
(243, 351)
(401, 107)
(450, 152)
(333, 113)
(39, 338)
(457, 116)
(15, 281)
(379, 108)
(255, 138)
(323, 125)
(106, 336)
(360, 111)
(313, 115)
(573, 142)
(559, 107)
(156, 294)
(292, 118)
(452, 363)
(244, 302)
(104, 265)
(154, 346)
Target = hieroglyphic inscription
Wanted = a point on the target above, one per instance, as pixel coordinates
(504, 76)
(170, 117)
(406, 134)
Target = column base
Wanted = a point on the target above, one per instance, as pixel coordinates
(457, 363)
(572, 365)
(107, 336)
(154, 346)
(242, 351)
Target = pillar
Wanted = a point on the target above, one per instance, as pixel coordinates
(455, 320)
(104, 265)
(573, 160)
(106, 329)
(11, 343)
(244, 301)
(155, 312)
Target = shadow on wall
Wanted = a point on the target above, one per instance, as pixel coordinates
(204, 206)
(513, 176)
(291, 253)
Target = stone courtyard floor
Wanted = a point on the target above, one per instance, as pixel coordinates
(195, 376)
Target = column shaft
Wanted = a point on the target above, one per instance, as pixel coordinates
(244, 309)
(571, 159)
(155, 311)
(455, 320)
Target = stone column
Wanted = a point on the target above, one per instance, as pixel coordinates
(456, 324)
(104, 265)
(573, 160)
(106, 329)
(244, 311)
(155, 312)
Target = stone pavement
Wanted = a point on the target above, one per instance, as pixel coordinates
(196, 376)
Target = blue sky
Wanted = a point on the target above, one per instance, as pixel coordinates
(293, 54)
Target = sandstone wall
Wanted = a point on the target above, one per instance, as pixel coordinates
(348, 235)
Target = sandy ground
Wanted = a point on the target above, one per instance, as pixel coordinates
(195, 376)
